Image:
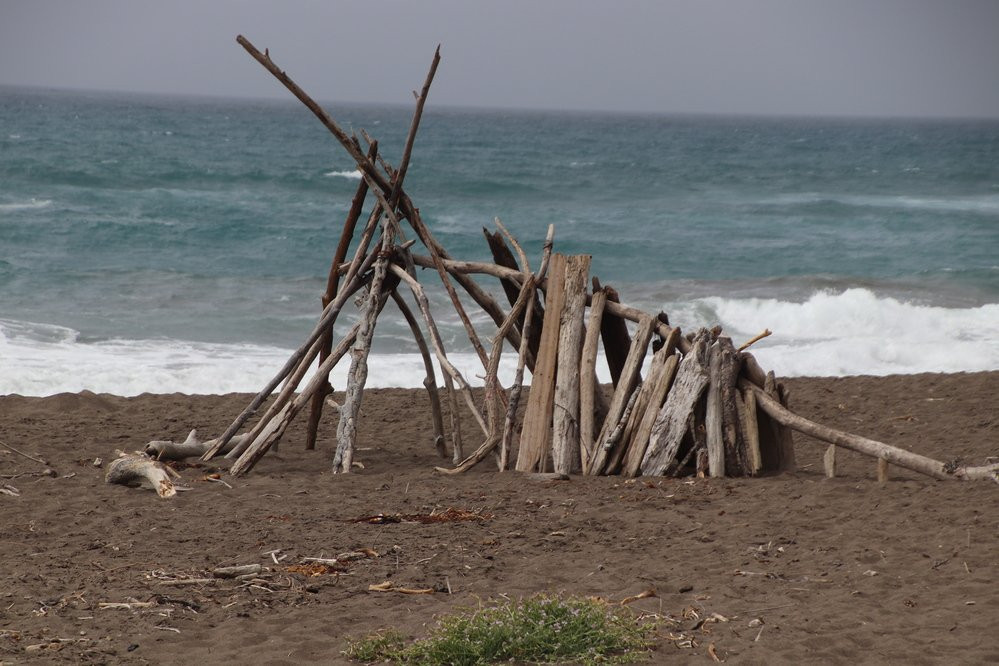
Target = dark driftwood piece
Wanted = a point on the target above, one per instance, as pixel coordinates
(502, 256)
(614, 333)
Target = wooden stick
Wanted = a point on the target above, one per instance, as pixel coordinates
(870, 447)
(660, 384)
(829, 461)
(536, 433)
(346, 432)
(756, 338)
(328, 317)
(629, 377)
(672, 421)
(713, 415)
(588, 385)
(882, 470)
(615, 336)
(430, 380)
(752, 429)
(332, 285)
(565, 419)
(523, 353)
(435, 339)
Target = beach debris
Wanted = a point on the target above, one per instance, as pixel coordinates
(237, 571)
(138, 469)
(192, 447)
(703, 406)
(389, 586)
(449, 515)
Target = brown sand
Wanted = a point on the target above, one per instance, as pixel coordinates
(804, 569)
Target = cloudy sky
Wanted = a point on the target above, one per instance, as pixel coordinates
(842, 57)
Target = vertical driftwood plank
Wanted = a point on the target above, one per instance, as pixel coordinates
(733, 432)
(785, 437)
(829, 462)
(713, 414)
(565, 419)
(588, 385)
(671, 422)
(882, 470)
(537, 428)
(614, 333)
(752, 432)
(622, 393)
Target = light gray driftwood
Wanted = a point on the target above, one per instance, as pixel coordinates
(192, 447)
(138, 469)
(536, 433)
(565, 420)
(671, 423)
(870, 447)
(627, 381)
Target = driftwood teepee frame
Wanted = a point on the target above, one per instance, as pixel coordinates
(703, 404)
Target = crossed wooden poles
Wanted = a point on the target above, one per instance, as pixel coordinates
(702, 402)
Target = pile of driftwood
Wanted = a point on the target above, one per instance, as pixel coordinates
(694, 404)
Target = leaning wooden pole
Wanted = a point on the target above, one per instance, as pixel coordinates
(332, 285)
(870, 447)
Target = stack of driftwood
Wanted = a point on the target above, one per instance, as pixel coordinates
(677, 403)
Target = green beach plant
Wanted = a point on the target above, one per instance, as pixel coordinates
(540, 629)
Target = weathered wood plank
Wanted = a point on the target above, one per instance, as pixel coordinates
(565, 420)
(671, 423)
(536, 433)
(630, 375)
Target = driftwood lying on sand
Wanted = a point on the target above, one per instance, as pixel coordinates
(137, 469)
(192, 447)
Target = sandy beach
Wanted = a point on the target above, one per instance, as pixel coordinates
(794, 568)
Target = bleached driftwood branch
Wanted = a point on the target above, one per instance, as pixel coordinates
(189, 448)
(138, 469)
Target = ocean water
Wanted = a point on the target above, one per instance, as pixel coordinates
(154, 244)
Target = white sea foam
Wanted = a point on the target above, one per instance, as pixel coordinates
(40, 359)
(25, 205)
(986, 203)
(830, 334)
(856, 331)
(351, 175)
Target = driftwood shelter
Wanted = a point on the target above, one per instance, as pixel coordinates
(678, 403)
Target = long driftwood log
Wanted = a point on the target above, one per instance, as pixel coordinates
(192, 447)
(870, 447)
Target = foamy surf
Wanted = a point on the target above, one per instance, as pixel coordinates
(25, 205)
(852, 332)
(856, 331)
(350, 175)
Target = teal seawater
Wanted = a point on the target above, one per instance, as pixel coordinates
(145, 218)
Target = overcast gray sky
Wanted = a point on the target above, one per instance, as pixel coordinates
(830, 57)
